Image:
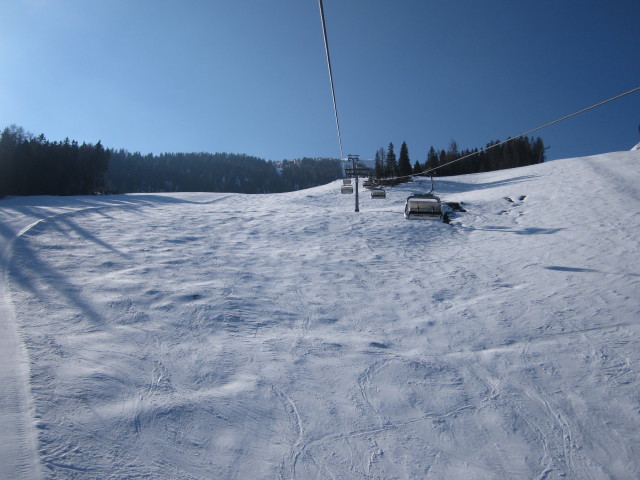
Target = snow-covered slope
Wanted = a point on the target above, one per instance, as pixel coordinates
(197, 336)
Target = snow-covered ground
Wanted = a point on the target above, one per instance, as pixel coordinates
(201, 336)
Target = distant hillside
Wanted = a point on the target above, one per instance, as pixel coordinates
(215, 172)
(33, 165)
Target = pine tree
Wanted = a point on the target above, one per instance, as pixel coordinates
(432, 160)
(404, 164)
(379, 163)
(538, 150)
(391, 166)
(453, 150)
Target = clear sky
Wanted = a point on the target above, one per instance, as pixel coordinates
(250, 76)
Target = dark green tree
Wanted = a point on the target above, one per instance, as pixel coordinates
(391, 164)
(379, 163)
(538, 151)
(404, 164)
(453, 149)
(432, 160)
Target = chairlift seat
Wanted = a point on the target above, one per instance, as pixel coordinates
(346, 189)
(423, 206)
(378, 193)
(346, 181)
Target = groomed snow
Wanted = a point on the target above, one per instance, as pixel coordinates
(227, 336)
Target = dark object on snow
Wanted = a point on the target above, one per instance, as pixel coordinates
(450, 211)
(456, 206)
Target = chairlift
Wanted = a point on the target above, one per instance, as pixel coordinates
(368, 183)
(346, 189)
(346, 181)
(378, 193)
(425, 205)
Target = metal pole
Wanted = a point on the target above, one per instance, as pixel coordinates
(354, 159)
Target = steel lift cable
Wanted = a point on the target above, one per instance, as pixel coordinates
(333, 92)
(429, 172)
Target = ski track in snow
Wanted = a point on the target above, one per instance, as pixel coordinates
(193, 336)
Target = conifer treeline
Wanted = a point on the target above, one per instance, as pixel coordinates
(31, 165)
(516, 152)
(215, 172)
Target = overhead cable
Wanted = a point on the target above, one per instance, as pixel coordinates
(427, 172)
(333, 92)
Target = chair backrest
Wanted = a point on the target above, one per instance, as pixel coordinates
(423, 205)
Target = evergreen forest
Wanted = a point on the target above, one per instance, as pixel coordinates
(497, 155)
(33, 165)
(215, 172)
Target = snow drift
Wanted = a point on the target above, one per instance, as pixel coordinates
(193, 336)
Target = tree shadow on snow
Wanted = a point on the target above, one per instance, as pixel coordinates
(85, 234)
(49, 286)
(29, 269)
(559, 268)
(451, 186)
(523, 231)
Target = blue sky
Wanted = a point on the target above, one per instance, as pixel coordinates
(250, 76)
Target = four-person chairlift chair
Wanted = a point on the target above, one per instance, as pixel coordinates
(425, 205)
(378, 193)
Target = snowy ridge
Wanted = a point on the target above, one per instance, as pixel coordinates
(196, 336)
